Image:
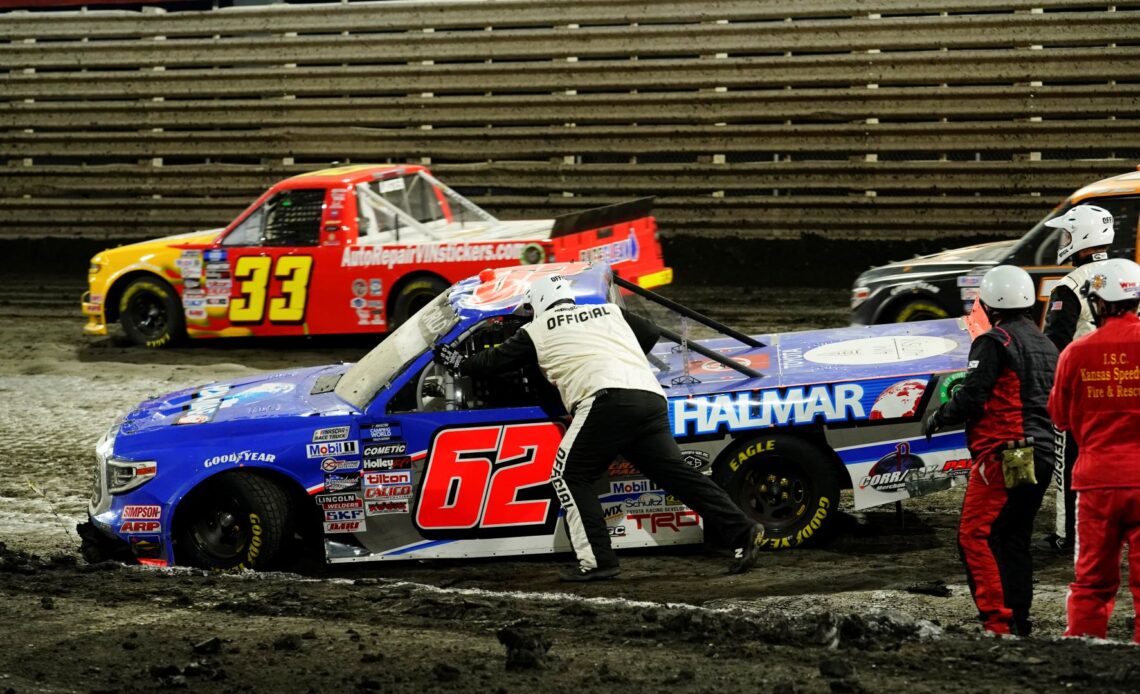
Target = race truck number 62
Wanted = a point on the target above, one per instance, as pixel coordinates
(489, 481)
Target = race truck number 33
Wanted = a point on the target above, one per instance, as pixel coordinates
(489, 481)
(252, 273)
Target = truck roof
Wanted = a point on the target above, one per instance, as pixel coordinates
(1124, 184)
(351, 174)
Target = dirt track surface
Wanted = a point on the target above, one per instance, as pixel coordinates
(884, 607)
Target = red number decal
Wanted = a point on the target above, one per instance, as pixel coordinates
(490, 480)
(526, 456)
(455, 482)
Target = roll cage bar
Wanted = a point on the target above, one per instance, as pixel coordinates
(700, 318)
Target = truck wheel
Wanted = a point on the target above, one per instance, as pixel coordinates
(235, 521)
(151, 313)
(919, 309)
(413, 296)
(785, 483)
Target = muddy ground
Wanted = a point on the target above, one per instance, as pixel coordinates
(884, 607)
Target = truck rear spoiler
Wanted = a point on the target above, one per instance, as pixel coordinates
(601, 217)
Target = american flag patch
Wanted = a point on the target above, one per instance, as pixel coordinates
(1057, 305)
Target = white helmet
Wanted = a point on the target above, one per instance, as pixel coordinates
(544, 292)
(1084, 226)
(1116, 279)
(1007, 287)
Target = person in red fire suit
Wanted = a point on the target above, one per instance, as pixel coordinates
(1096, 398)
(1003, 400)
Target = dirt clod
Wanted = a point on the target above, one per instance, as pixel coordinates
(526, 648)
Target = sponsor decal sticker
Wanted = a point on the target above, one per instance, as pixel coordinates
(354, 526)
(373, 450)
(736, 411)
(373, 464)
(139, 526)
(374, 479)
(331, 448)
(631, 487)
(142, 512)
(376, 508)
(950, 384)
(240, 457)
(612, 253)
(695, 459)
(393, 491)
(391, 256)
(674, 521)
(898, 400)
(343, 505)
(343, 515)
(342, 482)
(893, 470)
(146, 546)
(957, 468)
(387, 464)
(330, 434)
(384, 431)
(622, 468)
(336, 498)
(333, 465)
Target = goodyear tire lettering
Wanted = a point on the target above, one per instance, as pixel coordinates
(785, 482)
(266, 523)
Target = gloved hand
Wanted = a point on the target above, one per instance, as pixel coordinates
(932, 424)
(448, 357)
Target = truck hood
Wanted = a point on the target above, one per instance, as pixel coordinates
(202, 410)
(143, 250)
(953, 261)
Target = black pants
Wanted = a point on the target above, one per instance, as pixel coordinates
(635, 425)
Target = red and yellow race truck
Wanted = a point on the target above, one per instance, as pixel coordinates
(355, 249)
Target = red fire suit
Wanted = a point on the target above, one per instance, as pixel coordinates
(1096, 397)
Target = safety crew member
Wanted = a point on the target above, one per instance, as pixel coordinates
(595, 355)
(1003, 400)
(1096, 398)
(1086, 234)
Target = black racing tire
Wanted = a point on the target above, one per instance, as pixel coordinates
(235, 521)
(412, 296)
(151, 313)
(918, 308)
(785, 483)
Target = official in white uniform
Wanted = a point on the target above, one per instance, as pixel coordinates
(595, 355)
(1086, 233)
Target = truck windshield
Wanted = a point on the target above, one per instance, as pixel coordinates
(386, 361)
